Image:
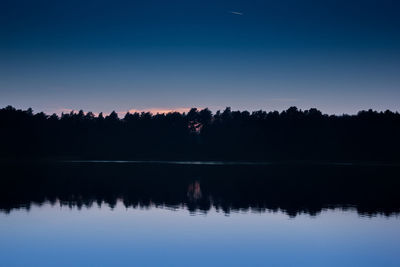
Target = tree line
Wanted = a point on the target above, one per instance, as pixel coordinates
(292, 134)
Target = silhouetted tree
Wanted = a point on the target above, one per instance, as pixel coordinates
(235, 135)
(112, 117)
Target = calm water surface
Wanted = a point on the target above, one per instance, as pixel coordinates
(129, 215)
(62, 236)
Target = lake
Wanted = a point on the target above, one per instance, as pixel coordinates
(193, 214)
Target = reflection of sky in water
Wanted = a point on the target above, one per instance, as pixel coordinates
(54, 236)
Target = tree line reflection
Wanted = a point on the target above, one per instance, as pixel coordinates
(291, 188)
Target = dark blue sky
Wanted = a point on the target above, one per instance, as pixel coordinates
(338, 56)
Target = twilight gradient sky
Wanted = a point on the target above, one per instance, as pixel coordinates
(339, 56)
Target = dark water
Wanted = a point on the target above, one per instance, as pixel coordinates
(182, 214)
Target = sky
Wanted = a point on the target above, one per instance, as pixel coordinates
(101, 55)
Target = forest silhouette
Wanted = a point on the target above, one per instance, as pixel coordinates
(292, 134)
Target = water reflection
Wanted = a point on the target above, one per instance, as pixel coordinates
(194, 191)
(293, 189)
(54, 236)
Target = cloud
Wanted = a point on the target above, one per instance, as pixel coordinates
(64, 110)
(284, 99)
(236, 13)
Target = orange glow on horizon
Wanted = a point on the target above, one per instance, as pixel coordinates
(121, 114)
(157, 110)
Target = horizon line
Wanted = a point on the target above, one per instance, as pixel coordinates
(185, 110)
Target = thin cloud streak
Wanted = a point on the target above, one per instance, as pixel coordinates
(236, 13)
